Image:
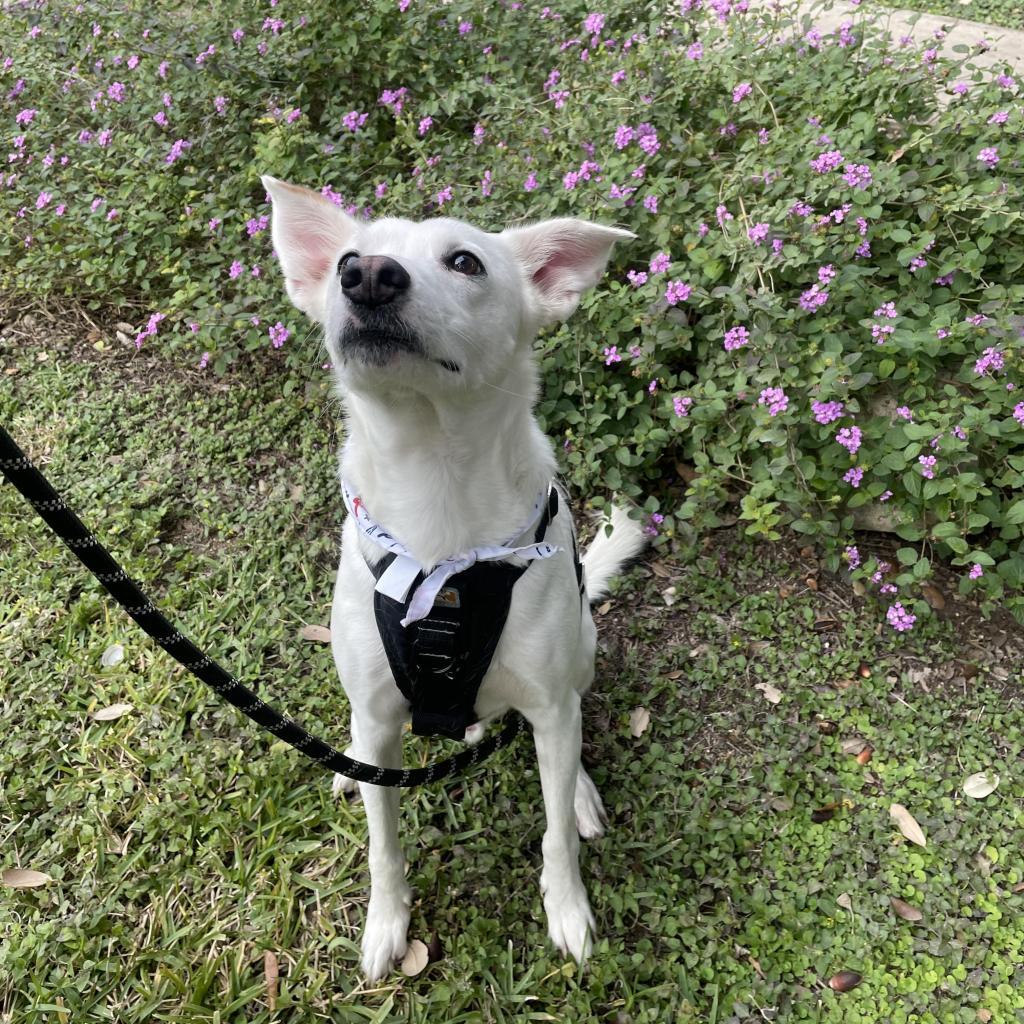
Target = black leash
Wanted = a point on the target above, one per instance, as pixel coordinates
(54, 511)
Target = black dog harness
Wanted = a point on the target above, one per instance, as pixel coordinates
(440, 660)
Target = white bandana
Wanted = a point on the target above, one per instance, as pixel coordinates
(399, 576)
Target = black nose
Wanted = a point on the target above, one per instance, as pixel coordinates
(374, 280)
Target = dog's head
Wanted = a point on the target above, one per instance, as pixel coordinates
(431, 303)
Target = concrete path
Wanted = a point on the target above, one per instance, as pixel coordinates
(1007, 44)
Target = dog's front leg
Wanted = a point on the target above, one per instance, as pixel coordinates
(557, 737)
(387, 917)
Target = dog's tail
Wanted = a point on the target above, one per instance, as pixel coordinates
(609, 552)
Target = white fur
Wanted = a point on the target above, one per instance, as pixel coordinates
(447, 461)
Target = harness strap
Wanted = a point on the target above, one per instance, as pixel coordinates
(439, 660)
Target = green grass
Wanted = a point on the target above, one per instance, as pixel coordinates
(183, 844)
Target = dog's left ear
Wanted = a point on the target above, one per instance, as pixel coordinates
(562, 258)
(309, 231)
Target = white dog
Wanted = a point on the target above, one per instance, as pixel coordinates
(429, 327)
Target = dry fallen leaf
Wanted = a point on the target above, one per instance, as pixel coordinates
(979, 785)
(844, 981)
(822, 814)
(864, 670)
(771, 693)
(905, 910)
(321, 634)
(435, 951)
(639, 719)
(668, 595)
(662, 570)
(865, 755)
(907, 824)
(845, 900)
(270, 974)
(23, 878)
(983, 1015)
(603, 609)
(416, 958)
(108, 714)
(112, 656)
(853, 745)
(933, 596)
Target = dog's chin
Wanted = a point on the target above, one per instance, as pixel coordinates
(377, 346)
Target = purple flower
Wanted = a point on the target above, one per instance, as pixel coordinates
(852, 556)
(624, 135)
(853, 476)
(695, 51)
(723, 215)
(741, 90)
(827, 412)
(177, 150)
(279, 334)
(660, 263)
(677, 291)
(857, 175)
(904, 412)
(976, 571)
(103, 138)
(758, 233)
(161, 118)
(235, 269)
(611, 355)
(444, 196)
(999, 117)
(989, 156)
(881, 332)
(885, 496)
(899, 618)
(850, 439)
(25, 116)
(826, 273)
(1018, 413)
(425, 124)
(531, 182)
(735, 337)
(927, 466)
(991, 359)
(254, 225)
(465, 27)
(636, 278)
(681, 405)
(651, 203)
(801, 209)
(649, 143)
(888, 310)
(775, 399)
(812, 299)
(354, 120)
(828, 161)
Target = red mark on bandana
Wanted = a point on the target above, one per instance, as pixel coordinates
(357, 504)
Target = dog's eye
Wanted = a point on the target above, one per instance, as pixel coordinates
(346, 260)
(465, 263)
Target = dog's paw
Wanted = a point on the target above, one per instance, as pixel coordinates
(590, 814)
(384, 938)
(570, 923)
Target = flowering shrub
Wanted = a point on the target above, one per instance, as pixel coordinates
(818, 315)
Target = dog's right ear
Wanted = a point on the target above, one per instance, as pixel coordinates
(309, 232)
